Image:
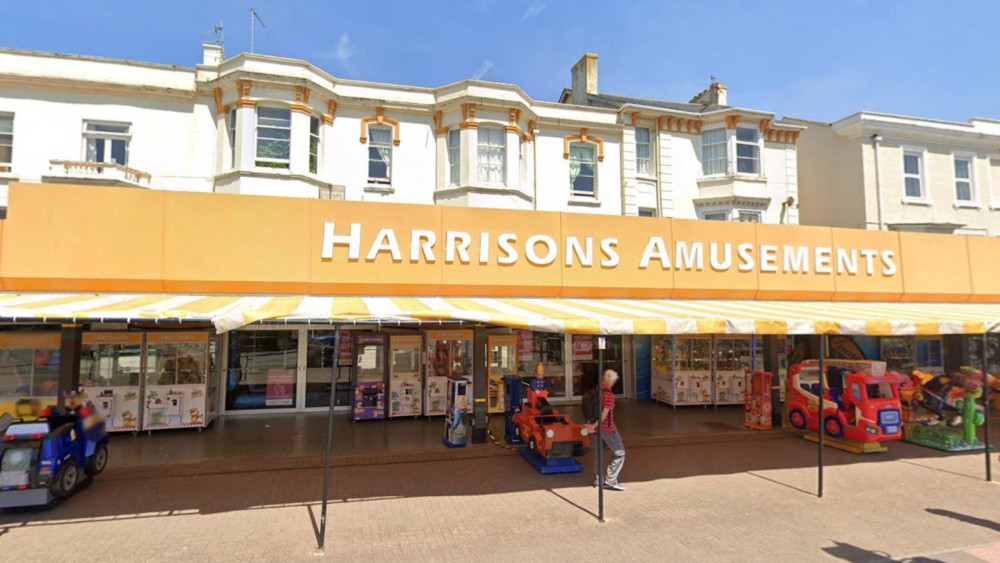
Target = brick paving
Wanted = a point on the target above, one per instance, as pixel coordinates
(734, 500)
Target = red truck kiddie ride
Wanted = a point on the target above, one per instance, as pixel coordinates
(861, 402)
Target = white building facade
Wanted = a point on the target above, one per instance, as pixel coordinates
(891, 172)
(261, 125)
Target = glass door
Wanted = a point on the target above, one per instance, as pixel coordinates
(586, 367)
(322, 356)
(262, 370)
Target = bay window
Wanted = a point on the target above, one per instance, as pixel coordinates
(642, 152)
(379, 154)
(963, 179)
(713, 152)
(582, 169)
(491, 155)
(274, 134)
(747, 151)
(313, 145)
(107, 142)
(454, 156)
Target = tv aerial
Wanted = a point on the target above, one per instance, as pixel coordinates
(254, 18)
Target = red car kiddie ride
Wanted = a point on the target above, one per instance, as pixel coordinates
(861, 401)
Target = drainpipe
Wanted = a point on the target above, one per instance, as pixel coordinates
(876, 139)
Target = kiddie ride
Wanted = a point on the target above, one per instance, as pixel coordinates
(48, 458)
(553, 441)
(941, 411)
(861, 405)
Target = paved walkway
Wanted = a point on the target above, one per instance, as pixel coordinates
(736, 500)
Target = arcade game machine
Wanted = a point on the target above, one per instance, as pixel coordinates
(449, 354)
(503, 364)
(661, 370)
(370, 367)
(456, 413)
(29, 372)
(405, 381)
(177, 381)
(733, 357)
(110, 375)
(689, 381)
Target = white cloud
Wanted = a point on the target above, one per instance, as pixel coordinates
(483, 69)
(533, 10)
(345, 49)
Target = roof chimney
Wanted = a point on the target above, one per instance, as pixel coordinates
(584, 78)
(715, 95)
(211, 54)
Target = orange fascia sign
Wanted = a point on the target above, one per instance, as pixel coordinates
(84, 238)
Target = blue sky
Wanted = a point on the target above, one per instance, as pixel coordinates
(820, 60)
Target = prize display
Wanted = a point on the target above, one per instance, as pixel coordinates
(405, 381)
(733, 357)
(111, 377)
(682, 370)
(757, 407)
(369, 377)
(449, 354)
(29, 372)
(177, 382)
(503, 364)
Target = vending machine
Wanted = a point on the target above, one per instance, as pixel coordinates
(449, 354)
(370, 367)
(503, 364)
(405, 381)
(111, 377)
(456, 413)
(177, 383)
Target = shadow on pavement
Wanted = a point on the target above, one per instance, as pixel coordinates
(855, 554)
(988, 524)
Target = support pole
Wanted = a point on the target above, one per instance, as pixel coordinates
(986, 406)
(480, 385)
(70, 347)
(600, 423)
(329, 434)
(819, 414)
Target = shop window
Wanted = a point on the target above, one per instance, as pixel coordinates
(454, 156)
(322, 356)
(491, 155)
(314, 145)
(379, 155)
(6, 141)
(913, 174)
(274, 134)
(713, 152)
(29, 370)
(747, 151)
(642, 152)
(107, 142)
(231, 126)
(587, 370)
(262, 369)
(582, 169)
(963, 179)
(546, 348)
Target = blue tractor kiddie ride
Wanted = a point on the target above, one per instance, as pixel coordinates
(47, 459)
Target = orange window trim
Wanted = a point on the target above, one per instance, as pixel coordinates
(381, 119)
(583, 137)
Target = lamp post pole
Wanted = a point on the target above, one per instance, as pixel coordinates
(329, 435)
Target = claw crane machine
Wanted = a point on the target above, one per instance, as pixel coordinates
(110, 374)
(405, 381)
(682, 370)
(503, 364)
(733, 357)
(177, 381)
(370, 367)
(449, 354)
(29, 372)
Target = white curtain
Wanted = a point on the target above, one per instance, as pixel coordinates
(381, 141)
(713, 151)
(491, 153)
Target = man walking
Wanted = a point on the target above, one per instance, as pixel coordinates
(609, 433)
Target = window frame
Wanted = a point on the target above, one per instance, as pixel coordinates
(267, 162)
(991, 178)
(648, 159)
(650, 212)
(757, 146)
(454, 154)
(725, 157)
(973, 200)
(921, 175)
(748, 212)
(725, 213)
(315, 140)
(108, 137)
(6, 166)
(377, 180)
(231, 132)
(572, 189)
(480, 176)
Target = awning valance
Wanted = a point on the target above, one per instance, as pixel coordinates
(583, 316)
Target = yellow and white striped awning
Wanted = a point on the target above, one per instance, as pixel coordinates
(582, 316)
